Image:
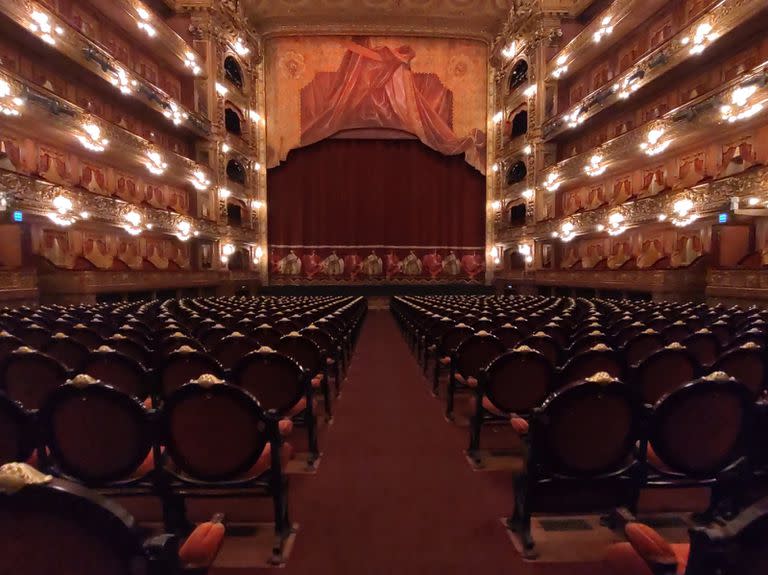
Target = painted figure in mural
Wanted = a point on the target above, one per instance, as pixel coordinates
(394, 265)
(290, 265)
(374, 86)
(433, 263)
(411, 264)
(451, 264)
(333, 265)
(312, 264)
(372, 265)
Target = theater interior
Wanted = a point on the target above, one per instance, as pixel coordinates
(383, 287)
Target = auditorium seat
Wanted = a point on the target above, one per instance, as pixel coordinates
(470, 358)
(28, 376)
(184, 365)
(663, 371)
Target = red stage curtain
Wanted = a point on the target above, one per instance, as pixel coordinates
(375, 193)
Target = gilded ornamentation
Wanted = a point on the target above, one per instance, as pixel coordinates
(82, 380)
(601, 377)
(208, 380)
(17, 476)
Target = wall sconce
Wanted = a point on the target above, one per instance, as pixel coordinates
(530, 91)
(184, 230)
(595, 167)
(190, 61)
(702, 38)
(683, 209)
(496, 205)
(226, 251)
(526, 251)
(200, 181)
(575, 118)
(552, 183)
(254, 116)
(174, 113)
(615, 224)
(144, 22)
(605, 29)
(257, 255)
(62, 212)
(567, 232)
(132, 223)
(9, 104)
(497, 117)
(562, 67)
(41, 26)
(240, 48)
(91, 138)
(739, 108)
(119, 79)
(527, 194)
(509, 50)
(155, 163)
(257, 204)
(221, 90)
(224, 193)
(654, 144)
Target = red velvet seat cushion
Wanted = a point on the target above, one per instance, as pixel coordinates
(202, 546)
(519, 424)
(468, 381)
(445, 361)
(623, 559)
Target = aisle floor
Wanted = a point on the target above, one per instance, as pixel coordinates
(394, 492)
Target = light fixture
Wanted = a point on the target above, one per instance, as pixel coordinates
(495, 167)
(225, 148)
(654, 144)
(567, 231)
(662, 217)
(702, 38)
(240, 48)
(600, 227)
(682, 209)
(256, 167)
(753, 201)
(190, 61)
(257, 204)
(525, 251)
(528, 150)
(224, 193)
(595, 167)
(221, 89)
(254, 116)
(527, 194)
(41, 25)
(530, 91)
(552, 182)
(616, 224)
(132, 223)
(257, 255)
(739, 108)
(628, 85)
(155, 163)
(174, 113)
(496, 205)
(184, 230)
(496, 252)
(85, 215)
(9, 104)
(91, 138)
(562, 67)
(227, 249)
(200, 181)
(62, 212)
(605, 29)
(144, 22)
(575, 118)
(120, 79)
(509, 50)
(497, 117)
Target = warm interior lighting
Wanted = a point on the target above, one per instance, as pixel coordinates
(702, 38)
(562, 67)
(498, 117)
(740, 107)
(530, 91)
(552, 183)
(144, 22)
(528, 150)
(527, 194)
(605, 29)
(654, 144)
(174, 113)
(62, 212)
(575, 118)
(567, 231)
(628, 85)
(496, 205)
(120, 79)
(683, 209)
(155, 163)
(221, 90)
(132, 223)
(200, 181)
(495, 167)
(254, 116)
(9, 104)
(42, 27)
(257, 204)
(616, 224)
(91, 138)
(509, 50)
(224, 193)
(190, 61)
(258, 254)
(239, 47)
(526, 251)
(184, 230)
(595, 167)
(225, 148)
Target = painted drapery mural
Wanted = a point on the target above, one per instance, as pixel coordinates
(430, 89)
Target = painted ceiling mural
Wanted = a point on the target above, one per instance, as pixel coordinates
(377, 87)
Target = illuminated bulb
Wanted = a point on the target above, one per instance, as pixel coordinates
(509, 50)
(527, 194)
(567, 232)
(190, 61)
(200, 181)
(615, 221)
(562, 67)
(595, 167)
(183, 230)
(132, 223)
(600, 227)
(530, 91)
(257, 167)
(257, 204)
(628, 86)
(221, 90)
(701, 38)
(227, 249)
(495, 168)
(259, 252)
(739, 109)
(41, 26)
(496, 205)
(9, 104)
(605, 29)
(91, 139)
(144, 25)
(552, 183)
(254, 115)
(498, 117)
(662, 217)
(62, 204)
(682, 209)
(654, 144)
(155, 163)
(527, 150)
(225, 148)
(174, 113)
(85, 215)
(753, 201)
(575, 118)
(240, 48)
(224, 193)
(120, 79)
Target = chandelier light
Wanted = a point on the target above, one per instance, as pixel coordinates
(42, 27)
(562, 67)
(258, 254)
(9, 103)
(606, 28)
(190, 61)
(575, 118)
(628, 85)
(119, 79)
(683, 215)
(740, 107)
(132, 223)
(525, 251)
(616, 224)
(174, 113)
(62, 215)
(552, 182)
(91, 138)
(184, 230)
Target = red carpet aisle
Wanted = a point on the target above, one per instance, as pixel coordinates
(394, 493)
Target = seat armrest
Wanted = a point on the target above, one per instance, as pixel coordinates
(653, 548)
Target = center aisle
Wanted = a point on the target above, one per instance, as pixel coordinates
(394, 492)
